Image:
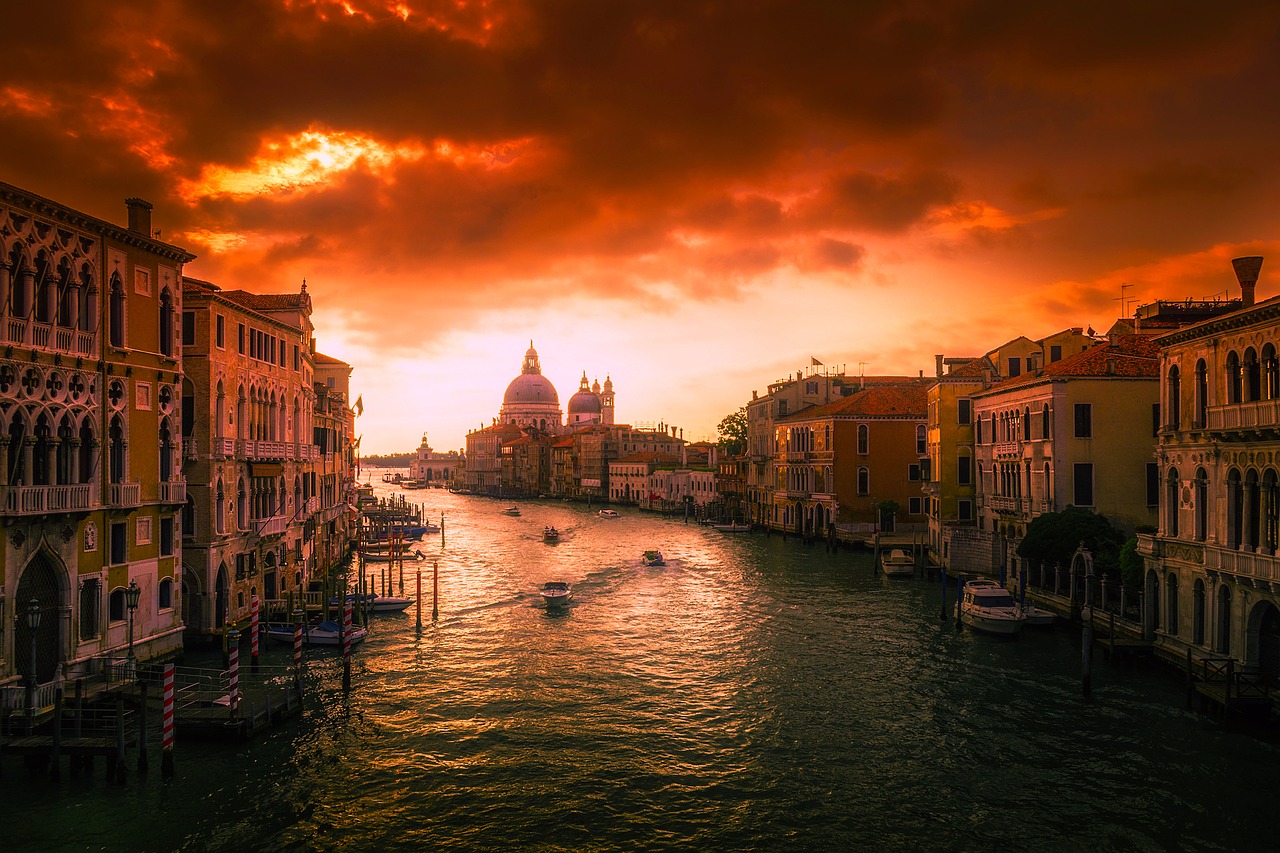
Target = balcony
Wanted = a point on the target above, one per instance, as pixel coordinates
(1003, 503)
(32, 333)
(313, 506)
(174, 492)
(39, 500)
(248, 449)
(1007, 448)
(224, 448)
(1259, 566)
(189, 451)
(126, 494)
(1256, 418)
(273, 526)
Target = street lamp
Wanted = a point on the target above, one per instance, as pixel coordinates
(131, 595)
(33, 623)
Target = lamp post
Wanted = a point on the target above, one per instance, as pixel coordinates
(33, 623)
(131, 595)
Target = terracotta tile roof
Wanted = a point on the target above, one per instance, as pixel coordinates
(974, 369)
(1126, 356)
(882, 401)
(267, 301)
(321, 358)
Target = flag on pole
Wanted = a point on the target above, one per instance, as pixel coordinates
(359, 406)
(815, 363)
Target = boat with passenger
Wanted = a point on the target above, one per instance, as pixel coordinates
(653, 558)
(550, 534)
(512, 510)
(732, 527)
(556, 593)
(898, 564)
(988, 607)
(608, 513)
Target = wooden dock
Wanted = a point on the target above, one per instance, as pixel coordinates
(1220, 689)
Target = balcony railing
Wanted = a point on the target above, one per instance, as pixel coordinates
(189, 450)
(126, 494)
(273, 526)
(46, 336)
(174, 492)
(34, 500)
(1259, 566)
(248, 449)
(224, 447)
(1007, 448)
(1258, 414)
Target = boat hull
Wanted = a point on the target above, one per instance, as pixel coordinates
(1003, 626)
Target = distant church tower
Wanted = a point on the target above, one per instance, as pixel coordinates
(606, 401)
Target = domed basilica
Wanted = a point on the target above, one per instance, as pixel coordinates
(531, 400)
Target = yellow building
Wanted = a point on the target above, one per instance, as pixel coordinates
(1212, 584)
(90, 402)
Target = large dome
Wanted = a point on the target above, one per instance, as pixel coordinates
(530, 388)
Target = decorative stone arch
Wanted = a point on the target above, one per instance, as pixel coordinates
(43, 579)
(195, 601)
(1262, 640)
(1150, 603)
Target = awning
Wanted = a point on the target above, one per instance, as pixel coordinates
(265, 469)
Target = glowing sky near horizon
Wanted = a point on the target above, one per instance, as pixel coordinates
(694, 198)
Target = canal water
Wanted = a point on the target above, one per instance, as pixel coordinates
(753, 694)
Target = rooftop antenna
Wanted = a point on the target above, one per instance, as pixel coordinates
(1124, 300)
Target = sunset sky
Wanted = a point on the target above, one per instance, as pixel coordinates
(694, 198)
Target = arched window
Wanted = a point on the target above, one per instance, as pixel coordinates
(1172, 486)
(1202, 394)
(189, 517)
(1270, 373)
(164, 594)
(1252, 376)
(1252, 509)
(116, 449)
(864, 481)
(1202, 505)
(166, 322)
(1171, 604)
(1026, 424)
(1233, 378)
(1173, 406)
(242, 506)
(166, 452)
(922, 444)
(1044, 422)
(864, 439)
(115, 605)
(220, 508)
(1048, 485)
(1270, 510)
(1235, 508)
(1222, 642)
(1197, 613)
(116, 315)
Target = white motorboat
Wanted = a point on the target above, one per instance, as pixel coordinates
(608, 513)
(378, 603)
(732, 527)
(512, 510)
(988, 607)
(898, 564)
(653, 558)
(556, 593)
(322, 634)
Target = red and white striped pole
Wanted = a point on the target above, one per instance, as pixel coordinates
(297, 651)
(233, 640)
(253, 631)
(166, 723)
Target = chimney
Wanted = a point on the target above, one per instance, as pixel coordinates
(937, 364)
(140, 216)
(1247, 274)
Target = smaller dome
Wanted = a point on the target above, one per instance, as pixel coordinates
(584, 402)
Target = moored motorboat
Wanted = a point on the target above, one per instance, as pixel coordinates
(556, 593)
(988, 607)
(898, 564)
(321, 634)
(375, 603)
(732, 527)
(608, 513)
(387, 556)
(653, 558)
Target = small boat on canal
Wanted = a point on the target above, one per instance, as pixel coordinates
(375, 603)
(1038, 617)
(321, 634)
(550, 534)
(653, 558)
(898, 564)
(512, 510)
(386, 556)
(732, 527)
(988, 607)
(556, 593)
(608, 513)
